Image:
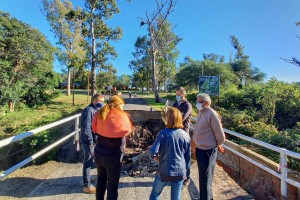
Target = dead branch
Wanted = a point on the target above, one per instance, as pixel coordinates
(169, 10)
(293, 61)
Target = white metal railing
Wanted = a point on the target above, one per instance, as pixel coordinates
(21, 136)
(283, 160)
(283, 176)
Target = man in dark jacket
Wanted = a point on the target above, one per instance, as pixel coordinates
(186, 111)
(88, 140)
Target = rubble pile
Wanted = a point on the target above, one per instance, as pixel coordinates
(141, 138)
(137, 160)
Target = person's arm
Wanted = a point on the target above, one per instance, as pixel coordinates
(154, 149)
(88, 126)
(187, 111)
(187, 157)
(217, 128)
(94, 123)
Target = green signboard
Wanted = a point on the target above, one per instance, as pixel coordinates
(209, 85)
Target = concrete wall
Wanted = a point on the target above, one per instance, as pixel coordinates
(142, 115)
(253, 179)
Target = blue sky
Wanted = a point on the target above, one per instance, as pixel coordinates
(266, 28)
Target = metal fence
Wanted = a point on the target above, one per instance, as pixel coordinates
(283, 175)
(21, 136)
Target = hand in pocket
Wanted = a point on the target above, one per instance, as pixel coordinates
(92, 149)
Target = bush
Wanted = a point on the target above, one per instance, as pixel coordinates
(39, 141)
(288, 139)
(20, 106)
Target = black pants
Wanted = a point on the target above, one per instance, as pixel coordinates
(108, 170)
(206, 160)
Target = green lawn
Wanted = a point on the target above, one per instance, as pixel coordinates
(27, 119)
(149, 99)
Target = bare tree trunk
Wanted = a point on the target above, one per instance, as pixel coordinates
(154, 81)
(93, 68)
(153, 65)
(154, 48)
(11, 106)
(166, 87)
(73, 86)
(148, 86)
(158, 86)
(88, 87)
(69, 82)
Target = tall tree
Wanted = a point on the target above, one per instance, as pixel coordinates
(106, 77)
(167, 42)
(163, 9)
(188, 73)
(242, 66)
(26, 59)
(99, 35)
(214, 57)
(190, 70)
(141, 64)
(123, 82)
(239, 48)
(66, 26)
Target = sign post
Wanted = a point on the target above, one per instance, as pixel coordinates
(210, 85)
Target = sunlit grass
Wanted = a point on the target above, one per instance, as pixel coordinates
(13, 123)
(149, 99)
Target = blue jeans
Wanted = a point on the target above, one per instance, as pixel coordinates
(88, 163)
(206, 160)
(158, 186)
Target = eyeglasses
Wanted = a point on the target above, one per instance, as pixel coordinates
(200, 101)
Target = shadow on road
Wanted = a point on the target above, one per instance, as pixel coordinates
(22, 187)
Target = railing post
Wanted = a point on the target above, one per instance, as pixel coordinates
(284, 172)
(77, 124)
(76, 136)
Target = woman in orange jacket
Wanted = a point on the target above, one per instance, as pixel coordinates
(111, 124)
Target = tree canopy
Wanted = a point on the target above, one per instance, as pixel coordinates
(66, 26)
(166, 54)
(98, 35)
(26, 59)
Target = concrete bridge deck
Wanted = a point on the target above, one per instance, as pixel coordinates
(54, 180)
(60, 181)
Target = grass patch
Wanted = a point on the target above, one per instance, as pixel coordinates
(27, 119)
(149, 99)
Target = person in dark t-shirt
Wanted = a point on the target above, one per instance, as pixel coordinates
(185, 109)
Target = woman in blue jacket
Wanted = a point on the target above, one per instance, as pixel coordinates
(172, 151)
